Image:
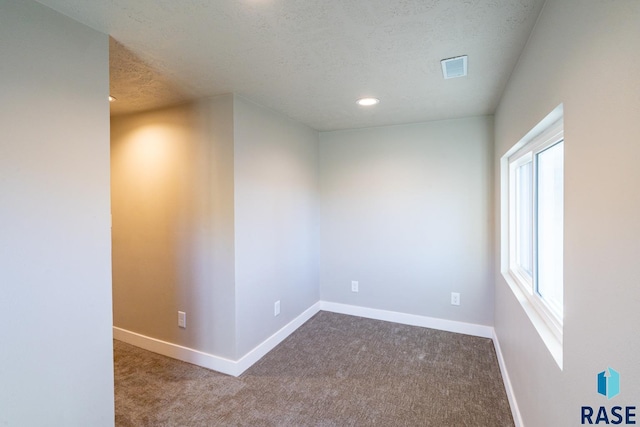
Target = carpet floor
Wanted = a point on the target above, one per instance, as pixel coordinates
(335, 370)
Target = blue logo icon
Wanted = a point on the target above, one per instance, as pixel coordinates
(609, 383)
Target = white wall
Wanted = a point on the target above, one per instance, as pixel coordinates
(276, 221)
(583, 54)
(173, 224)
(56, 360)
(405, 210)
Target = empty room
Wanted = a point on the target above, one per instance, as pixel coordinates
(320, 213)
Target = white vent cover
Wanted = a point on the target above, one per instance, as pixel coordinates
(454, 67)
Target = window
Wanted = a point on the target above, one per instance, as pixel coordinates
(532, 245)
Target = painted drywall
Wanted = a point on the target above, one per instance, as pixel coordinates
(214, 214)
(276, 221)
(173, 224)
(56, 357)
(585, 55)
(406, 212)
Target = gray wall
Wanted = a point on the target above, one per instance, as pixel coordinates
(276, 218)
(405, 210)
(583, 54)
(173, 224)
(215, 214)
(55, 247)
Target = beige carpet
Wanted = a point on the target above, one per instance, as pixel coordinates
(335, 370)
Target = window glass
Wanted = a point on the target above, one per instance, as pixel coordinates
(550, 198)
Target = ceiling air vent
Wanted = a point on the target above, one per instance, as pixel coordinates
(454, 67)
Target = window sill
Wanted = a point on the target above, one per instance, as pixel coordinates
(551, 341)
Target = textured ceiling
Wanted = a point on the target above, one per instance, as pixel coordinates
(311, 59)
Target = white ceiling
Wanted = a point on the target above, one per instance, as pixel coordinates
(311, 59)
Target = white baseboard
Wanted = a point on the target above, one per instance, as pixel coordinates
(176, 351)
(409, 319)
(210, 361)
(266, 346)
(515, 411)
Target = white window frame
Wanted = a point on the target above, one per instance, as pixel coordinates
(547, 321)
(522, 276)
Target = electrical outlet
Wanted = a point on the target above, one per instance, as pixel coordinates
(354, 286)
(182, 319)
(276, 308)
(455, 298)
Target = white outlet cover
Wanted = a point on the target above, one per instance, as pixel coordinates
(455, 298)
(354, 286)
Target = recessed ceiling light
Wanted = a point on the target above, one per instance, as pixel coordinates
(112, 98)
(367, 102)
